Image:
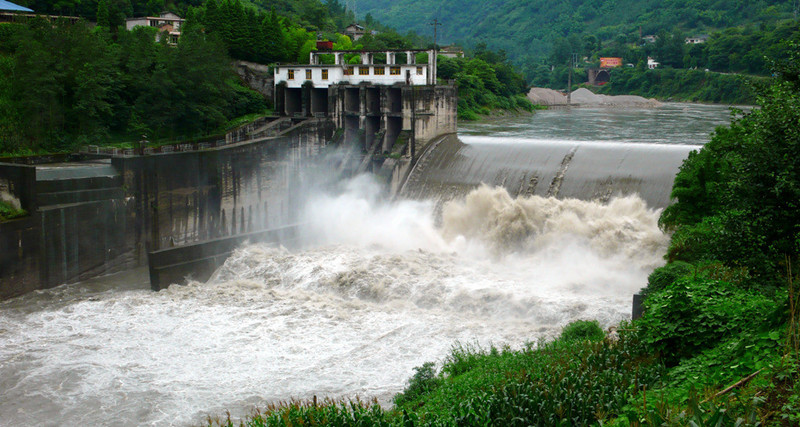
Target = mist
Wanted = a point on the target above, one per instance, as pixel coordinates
(378, 288)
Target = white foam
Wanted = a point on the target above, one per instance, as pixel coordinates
(379, 290)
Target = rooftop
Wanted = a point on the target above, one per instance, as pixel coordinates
(8, 6)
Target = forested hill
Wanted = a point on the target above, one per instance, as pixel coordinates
(527, 29)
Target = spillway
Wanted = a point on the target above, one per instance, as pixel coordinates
(378, 288)
(585, 170)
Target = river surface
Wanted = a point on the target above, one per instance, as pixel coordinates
(379, 289)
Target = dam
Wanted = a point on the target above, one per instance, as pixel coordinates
(374, 288)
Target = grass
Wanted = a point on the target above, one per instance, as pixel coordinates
(568, 381)
(8, 211)
(585, 377)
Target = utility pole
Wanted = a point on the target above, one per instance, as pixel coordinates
(435, 24)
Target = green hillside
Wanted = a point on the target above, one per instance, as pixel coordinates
(528, 29)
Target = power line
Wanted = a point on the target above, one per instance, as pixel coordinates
(435, 25)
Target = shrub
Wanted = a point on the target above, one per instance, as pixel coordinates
(664, 276)
(583, 330)
(696, 313)
(423, 381)
(7, 211)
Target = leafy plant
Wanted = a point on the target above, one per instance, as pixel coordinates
(423, 381)
(583, 330)
(695, 313)
(8, 211)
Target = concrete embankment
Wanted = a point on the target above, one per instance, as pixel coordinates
(585, 98)
(98, 217)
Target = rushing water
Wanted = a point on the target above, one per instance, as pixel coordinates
(380, 288)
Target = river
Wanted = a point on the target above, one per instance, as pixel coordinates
(381, 287)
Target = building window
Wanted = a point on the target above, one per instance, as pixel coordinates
(308, 74)
(379, 71)
(363, 71)
(419, 71)
(324, 74)
(348, 71)
(395, 71)
(291, 74)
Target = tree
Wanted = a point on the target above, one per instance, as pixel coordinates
(103, 14)
(738, 197)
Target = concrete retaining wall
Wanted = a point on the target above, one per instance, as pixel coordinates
(158, 202)
(199, 261)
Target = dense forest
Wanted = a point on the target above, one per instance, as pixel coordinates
(528, 30)
(708, 72)
(67, 84)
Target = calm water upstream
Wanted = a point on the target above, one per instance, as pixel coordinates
(381, 288)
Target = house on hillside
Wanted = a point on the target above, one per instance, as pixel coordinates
(10, 12)
(451, 51)
(652, 64)
(7, 6)
(697, 39)
(354, 31)
(168, 24)
(650, 38)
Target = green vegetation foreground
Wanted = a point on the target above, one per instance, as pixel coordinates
(718, 344)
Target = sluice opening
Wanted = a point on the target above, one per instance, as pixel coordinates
(352, 103)
(373, 100)
(294, 101)
(319, 102)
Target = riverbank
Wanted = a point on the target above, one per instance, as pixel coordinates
(679, 85)
(583, 97)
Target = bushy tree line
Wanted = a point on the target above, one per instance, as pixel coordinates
(705, 72)
(737, 198)
(485, 82)
(67, 84)
(742, 49)
(529, 29)
(249, 34)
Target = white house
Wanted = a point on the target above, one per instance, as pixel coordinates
(696, 39)
(340, 72)
(652, 64)
(166, 22)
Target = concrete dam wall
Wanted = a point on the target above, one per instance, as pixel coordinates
(88, 218)
(587, 171)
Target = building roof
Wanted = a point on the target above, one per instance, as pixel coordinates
(7, 5)
(372, 51)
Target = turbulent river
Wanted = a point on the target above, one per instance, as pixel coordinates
(381, 287)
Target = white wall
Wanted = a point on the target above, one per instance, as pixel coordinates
(336, 75)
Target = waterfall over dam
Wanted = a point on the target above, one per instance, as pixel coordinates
(374, 288)
(549, 168)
